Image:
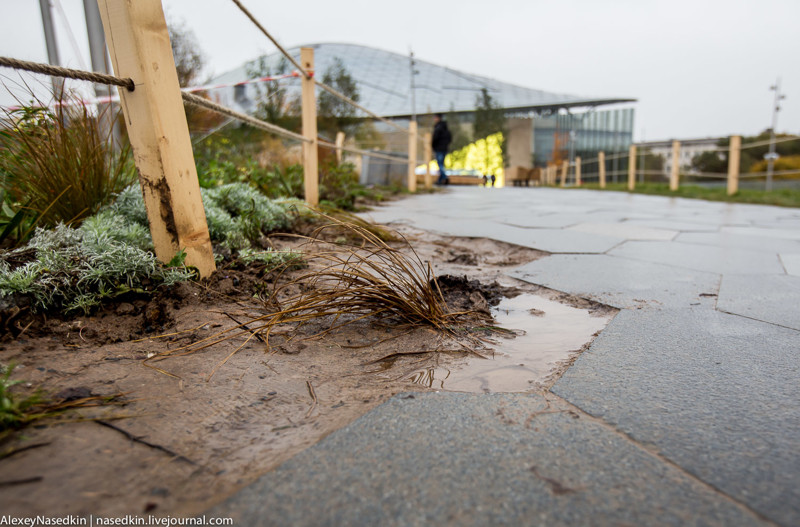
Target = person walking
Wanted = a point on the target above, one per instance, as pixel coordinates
(440, 143)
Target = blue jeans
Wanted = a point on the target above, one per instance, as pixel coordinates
(440, 155)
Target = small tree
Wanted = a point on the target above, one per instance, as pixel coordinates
(489, 119)
(190, 62)
(273, 103)
(461, 136)
(189, 58)
(709, 162)
(335, 114)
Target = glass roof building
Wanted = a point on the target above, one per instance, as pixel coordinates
(384, 84)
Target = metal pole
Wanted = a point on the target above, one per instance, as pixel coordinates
(642, 174)
(100, 63)
(51, 43)
(772, 156)
(413, 88)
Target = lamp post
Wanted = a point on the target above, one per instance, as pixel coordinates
(771, 156)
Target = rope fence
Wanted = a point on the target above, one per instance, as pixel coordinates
(258, 123)
(58, 71)
(325, 87)
(271, 38)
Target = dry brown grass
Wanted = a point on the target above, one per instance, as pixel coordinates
(346, 284)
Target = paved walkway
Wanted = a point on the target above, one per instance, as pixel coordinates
(684, 411)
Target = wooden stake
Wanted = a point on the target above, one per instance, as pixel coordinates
(601, 161)
(412, 156)
(138, 41)
(632, 167)
(564, 170)
(339, 145)
(734, 162)
(428, 156)
(578, 171)
(674, 174)
(309, 103)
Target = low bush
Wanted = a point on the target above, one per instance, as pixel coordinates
(73, 270)
(56, 166)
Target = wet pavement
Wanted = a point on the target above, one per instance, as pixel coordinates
(684, 411)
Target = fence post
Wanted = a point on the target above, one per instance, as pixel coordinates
(412, 156)
(601, 163)
(632, 167)
(578, 171)
(428, 154)
(734, 162)
(674, 174)
(310, 153)
(339, 145)
(564, 170)
(137, 37)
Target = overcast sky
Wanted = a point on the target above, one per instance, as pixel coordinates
(698, 67)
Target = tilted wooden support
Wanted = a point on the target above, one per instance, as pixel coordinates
(138, 42)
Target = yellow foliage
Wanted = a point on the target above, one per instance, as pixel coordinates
(484, 155)
(782, 163)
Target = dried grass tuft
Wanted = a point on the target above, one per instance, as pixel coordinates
(345, 284)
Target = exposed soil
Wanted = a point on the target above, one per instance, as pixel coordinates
(194, 430)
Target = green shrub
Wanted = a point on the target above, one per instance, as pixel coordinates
(56, 166)
(75, 269)
(273, 259)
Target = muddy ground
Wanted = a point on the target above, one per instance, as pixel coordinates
(193, 430)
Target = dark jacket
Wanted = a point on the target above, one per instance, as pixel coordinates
(441, 137)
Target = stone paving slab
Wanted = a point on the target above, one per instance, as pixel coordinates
(621, 282)
(677, 225)
(702, 257)
(626, 231)
(791, 262)
(458, 459)
(715, 393)
(556, 240)
(773, 299)
(737, 241)
(785, 234)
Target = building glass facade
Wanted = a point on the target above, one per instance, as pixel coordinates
(562, 136)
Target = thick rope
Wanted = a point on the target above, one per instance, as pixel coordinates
(58, 71)
(308, 75)
(258, 123)
(266, 33)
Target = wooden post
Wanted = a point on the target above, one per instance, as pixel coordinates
(578, 171)
(632, 167)
(564, 170)
(310, 153)
(734, 161)
(139, 45)
(428, 155)
(674, 173)
(601, 163)
(339, 145)
(412, 156)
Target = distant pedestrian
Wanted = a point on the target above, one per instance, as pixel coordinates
(441, 143)
(493, 179)
(485, 179)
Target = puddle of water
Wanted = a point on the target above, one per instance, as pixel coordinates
(520, 363)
